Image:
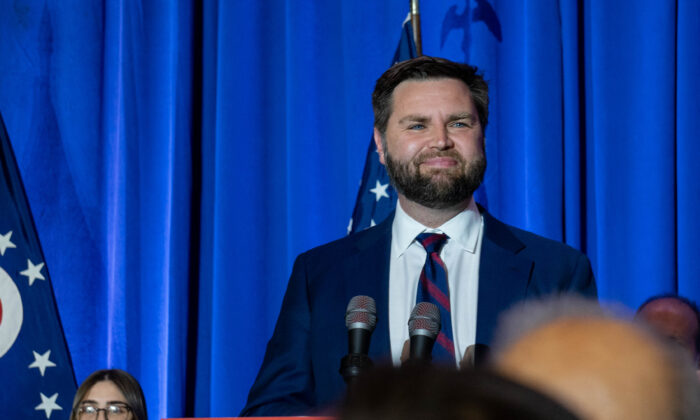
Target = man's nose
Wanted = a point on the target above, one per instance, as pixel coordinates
(441, 138)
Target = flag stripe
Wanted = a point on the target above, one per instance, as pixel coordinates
(370, 208)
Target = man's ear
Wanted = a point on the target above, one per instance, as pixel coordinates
(379, 144)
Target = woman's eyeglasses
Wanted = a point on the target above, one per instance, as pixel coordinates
(113, 411)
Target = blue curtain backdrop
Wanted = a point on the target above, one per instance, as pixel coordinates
(178, 155)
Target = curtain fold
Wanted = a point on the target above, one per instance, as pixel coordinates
(630, 139)
(177, 156)
(687, 147)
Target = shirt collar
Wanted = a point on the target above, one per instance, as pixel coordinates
(463, 229)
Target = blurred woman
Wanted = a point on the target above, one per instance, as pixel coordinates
(112, 391)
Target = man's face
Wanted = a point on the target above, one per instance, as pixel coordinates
(434, 145)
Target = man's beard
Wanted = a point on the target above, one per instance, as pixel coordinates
(440, 188)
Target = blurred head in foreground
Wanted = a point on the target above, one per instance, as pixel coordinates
(602, 367)
(114, 392)
(425, 393)
(675, 318)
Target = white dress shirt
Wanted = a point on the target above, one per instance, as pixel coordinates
(461, 255)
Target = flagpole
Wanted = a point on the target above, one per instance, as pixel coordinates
(415, 22)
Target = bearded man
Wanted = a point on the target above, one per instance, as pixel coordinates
(430, 117)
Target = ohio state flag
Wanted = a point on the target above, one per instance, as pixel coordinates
(36, 374)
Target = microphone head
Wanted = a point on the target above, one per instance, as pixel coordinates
(361, 313)
(424, 320)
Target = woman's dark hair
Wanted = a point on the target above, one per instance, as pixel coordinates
(126, 384)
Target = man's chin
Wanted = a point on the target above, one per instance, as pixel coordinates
(442, 180)
(440, 202)
(440, 170)
(445, 205)
(435, 187)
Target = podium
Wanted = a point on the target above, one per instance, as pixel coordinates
(252, 418)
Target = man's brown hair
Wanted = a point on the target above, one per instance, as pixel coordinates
(428, 68)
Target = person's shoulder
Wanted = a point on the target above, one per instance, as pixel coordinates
(354, 242)
(530, 241)
(556, 267)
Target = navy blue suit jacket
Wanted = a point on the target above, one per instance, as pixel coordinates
(300, 374)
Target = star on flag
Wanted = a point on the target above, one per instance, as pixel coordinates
(33, 272)
(48, 404)
(379, 190)
(5, 243)
(29, 320)
(41, 361)
(369, 208)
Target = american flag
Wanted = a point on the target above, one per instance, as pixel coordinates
(36, 374)
(377, 198)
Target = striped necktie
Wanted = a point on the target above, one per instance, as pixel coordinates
(433, 288)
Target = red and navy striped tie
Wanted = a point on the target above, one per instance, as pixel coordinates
(433, 288)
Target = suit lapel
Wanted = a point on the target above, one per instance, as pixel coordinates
(372, 265)
(503, 275)
(503, 278)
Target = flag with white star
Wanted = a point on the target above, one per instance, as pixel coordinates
(377, 198)
(36, 374)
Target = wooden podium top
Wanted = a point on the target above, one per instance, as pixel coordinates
(253, 418)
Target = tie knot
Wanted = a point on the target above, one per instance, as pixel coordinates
(432, 242)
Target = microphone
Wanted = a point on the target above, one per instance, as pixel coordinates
(360, 320)
(423, 328)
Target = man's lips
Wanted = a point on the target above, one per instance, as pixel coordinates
(439, 162)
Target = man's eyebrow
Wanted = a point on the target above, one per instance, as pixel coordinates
(414, 118)
(462, 116)
(423, 119)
